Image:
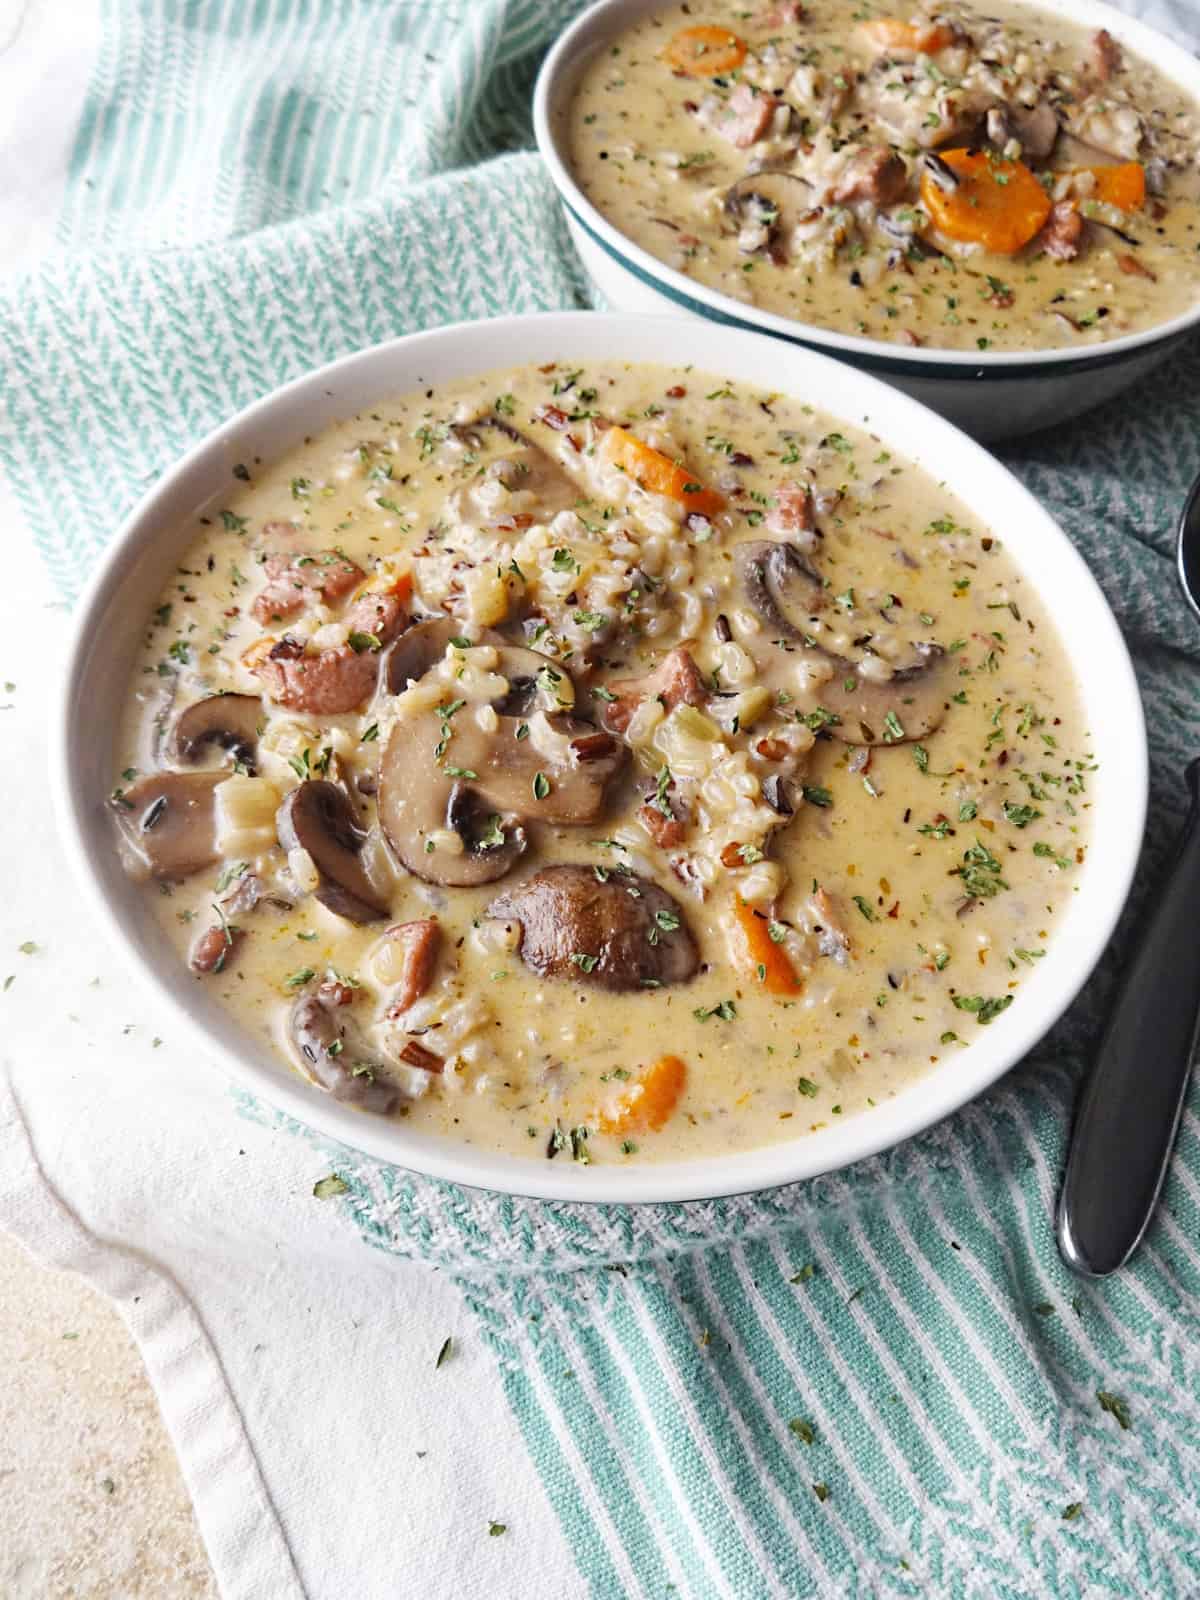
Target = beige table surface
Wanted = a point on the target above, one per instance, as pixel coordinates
(92, 1506)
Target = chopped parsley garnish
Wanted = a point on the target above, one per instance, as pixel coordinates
(585, 962)
(983, 1009)
(980, 872)
(864, 905)
(579, 1149)
(444, 1353)
(541, 786)
(727, 1012)
(816, 796)
(661, 801)
(297, 979)
(807, 1088)
(493, 834)
(1115, 1406)
(1020, 816)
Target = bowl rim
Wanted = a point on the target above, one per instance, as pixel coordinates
(1160, 51)
(862, 399)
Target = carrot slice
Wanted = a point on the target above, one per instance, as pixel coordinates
(648, 1102)
(652, 470)
(889, 33)
(768, 959)
(1123, 186)
(998, 204)
(705, 52)
(401, 587)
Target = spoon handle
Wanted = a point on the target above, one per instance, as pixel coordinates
(1131, 1105)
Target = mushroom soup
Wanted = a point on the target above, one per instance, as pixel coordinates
(610, 764)
(998, 181)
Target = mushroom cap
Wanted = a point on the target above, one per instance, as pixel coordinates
(317, 816)
(231, 721)
(483, 785)
(786, 591)
(314, 1029)
(774, 200)
(417, 649)
(629, 933)
(534, 469)
(170, 821)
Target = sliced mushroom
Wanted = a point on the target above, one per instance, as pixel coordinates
(317, 817)
(781, 584)
(619, 933)
(521, 464)
(452, 795)
(1034, 127)
(907, 706)
(786, 591)
(231, 721)
(767, 208)
(169, 820)
(416, 650)
(334, 1056)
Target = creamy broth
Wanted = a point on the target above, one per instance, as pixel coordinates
(708, 772)
(814, 161)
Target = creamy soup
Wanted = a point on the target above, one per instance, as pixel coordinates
(944, 177)
(603, 764)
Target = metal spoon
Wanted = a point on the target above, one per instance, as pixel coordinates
(1131, 1105)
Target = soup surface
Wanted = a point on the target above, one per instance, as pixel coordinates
(945, 178)
(608, 764)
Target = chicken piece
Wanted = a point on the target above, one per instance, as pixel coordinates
(1062, 236)
(328, 682)
(294, 583)
(874, 173)
(793, 511)
(1104, 56)
(676, 681)
(745, 118)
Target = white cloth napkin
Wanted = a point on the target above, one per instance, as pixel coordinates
(324, 1451)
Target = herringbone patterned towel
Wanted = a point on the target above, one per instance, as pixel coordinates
(878, 1383)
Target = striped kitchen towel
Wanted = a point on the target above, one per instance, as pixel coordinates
(878, 1383)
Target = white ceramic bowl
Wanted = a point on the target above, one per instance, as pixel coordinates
(153, 539)
(993, 394)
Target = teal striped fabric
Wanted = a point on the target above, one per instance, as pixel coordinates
(878, 1383)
